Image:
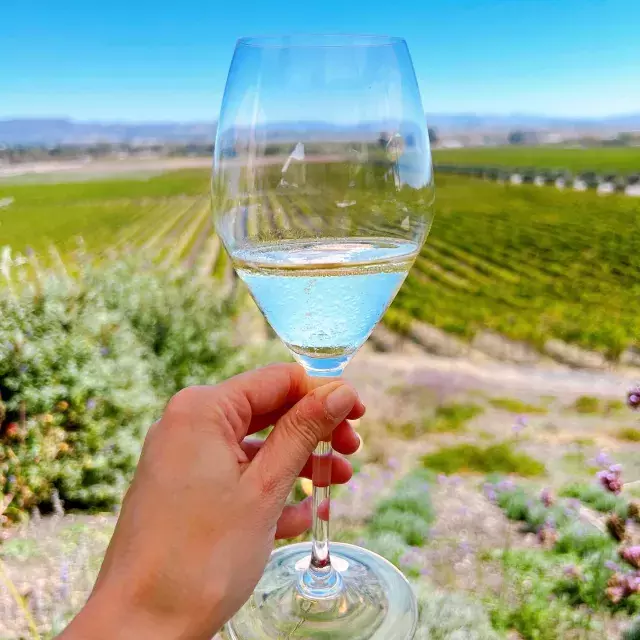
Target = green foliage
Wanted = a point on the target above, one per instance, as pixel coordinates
(412, 528)
(630, 434)
(389, 544)
(507, 259)
(530, 606)
(497, 458)
(451, 616)
(587, 404)
(614, 406)
(98, 211)
(86, 364)
(453, 417)
(583, 540)
(610, 159)
(633, 632)
(449, 418)
(516, 406)
(596, 497)
(403, 519)
(518, 505)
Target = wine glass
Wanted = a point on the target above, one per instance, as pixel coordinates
(322, 187)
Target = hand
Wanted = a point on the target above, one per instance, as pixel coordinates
(199, 521)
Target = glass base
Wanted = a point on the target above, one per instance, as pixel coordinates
(376, 601)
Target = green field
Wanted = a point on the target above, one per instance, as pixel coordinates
(621, 160)
(529, 263)
(99, 211)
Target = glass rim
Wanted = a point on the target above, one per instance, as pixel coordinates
(318, 40)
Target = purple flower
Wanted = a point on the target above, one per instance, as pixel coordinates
(520, 424)
(633, 583)
(490, 492)
(633, 398)
(442, 478)
(571, 571)
(602, 459)
(393, 464)
(546, 497)
(631, 555)
(611, 479)
(104, 351)
(411, 557)
(464, 548)
(611, 565)
(547, 535)
(91, 404)
(574, 504)
(63, 589)
(505, 485)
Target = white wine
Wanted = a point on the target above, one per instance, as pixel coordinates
(324, 297)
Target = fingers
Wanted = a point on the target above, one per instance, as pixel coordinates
(295, 436)
(248, 402)
(263, 421)
(341, 470)
(345, 439)
(295, 519)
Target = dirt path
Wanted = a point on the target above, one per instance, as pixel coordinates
(488, 375)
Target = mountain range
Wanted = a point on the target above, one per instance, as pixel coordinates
(54, 131)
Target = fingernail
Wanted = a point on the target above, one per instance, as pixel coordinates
(340, 401)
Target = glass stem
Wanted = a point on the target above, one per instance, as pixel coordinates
(321, 580)
(320, 559)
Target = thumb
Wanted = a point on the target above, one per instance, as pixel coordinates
(296, 434)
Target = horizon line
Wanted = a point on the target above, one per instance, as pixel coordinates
(466, 114)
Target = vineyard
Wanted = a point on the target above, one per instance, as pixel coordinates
(621, 160)
(166, 218)
(510, 501)
(530, 264)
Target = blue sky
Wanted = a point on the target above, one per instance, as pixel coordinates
(139, 60)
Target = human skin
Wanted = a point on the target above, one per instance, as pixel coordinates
(199, 521)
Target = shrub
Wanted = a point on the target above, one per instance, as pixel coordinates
(388, 544)
(451, 616)
(446, 419)
(630, 434)
(583, 540)
(518, 505)
(498, 458)
(453, 417)
(614, 406)
(516, 406)
(633, 632)
(413, 529)
(86, 364)
(587, 404)
(596, 497)
(531, 609)
(409, 501)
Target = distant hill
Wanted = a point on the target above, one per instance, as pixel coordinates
(65, 131)
(470, 122)
(52, 131)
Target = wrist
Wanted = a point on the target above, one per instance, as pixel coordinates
(105, 617)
